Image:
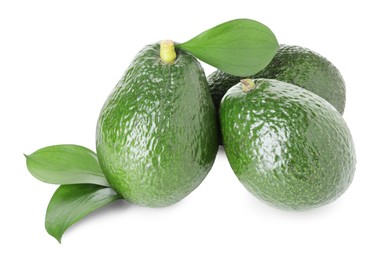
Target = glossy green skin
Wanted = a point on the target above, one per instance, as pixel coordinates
(286, 145)
(219, 82)
(296, 65)
(156, 134)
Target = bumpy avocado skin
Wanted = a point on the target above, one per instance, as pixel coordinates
(219, 82)
(156, 134)
(296, 65)
(286, 145)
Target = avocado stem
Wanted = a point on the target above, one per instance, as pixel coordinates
(247, 84)
(167, 52)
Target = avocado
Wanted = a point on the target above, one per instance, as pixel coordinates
(296, 65)
(219, 82)
(287, 146)
(156, 133)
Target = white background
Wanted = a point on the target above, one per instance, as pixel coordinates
(60, 60)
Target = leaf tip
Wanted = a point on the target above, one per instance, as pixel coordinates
(58, 238)
(56, 235)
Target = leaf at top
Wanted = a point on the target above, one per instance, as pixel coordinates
(65, 164)
(70, 203)
(240, 47)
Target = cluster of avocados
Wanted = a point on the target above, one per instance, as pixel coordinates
(284, 136)
(159, 131)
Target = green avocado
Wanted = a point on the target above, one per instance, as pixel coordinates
(156, 133)
(296, 65)
(287, 146)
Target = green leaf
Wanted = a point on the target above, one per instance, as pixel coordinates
(65, 164)
(70, 203)
(240, 47)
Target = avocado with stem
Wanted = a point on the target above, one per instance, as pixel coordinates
(156, 134)
(287, 146)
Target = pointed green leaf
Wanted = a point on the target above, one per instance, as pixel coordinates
(65, 164)
(240, 47)
(70, 203)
